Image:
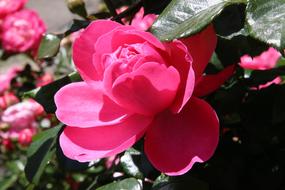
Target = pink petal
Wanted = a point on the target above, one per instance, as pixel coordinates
(148, 90)
(80, 105)
(174, 142)
(83, 47)
(267, 60)
(181, 60)
(209, 83)
(87, 144)
(201, 47)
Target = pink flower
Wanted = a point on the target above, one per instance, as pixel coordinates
(10, 6)
(143, 22)
(135, 85)
(22, 31)
(7, 100)
(5, 79)
(25, 137)
(21, 116)
(266, 60)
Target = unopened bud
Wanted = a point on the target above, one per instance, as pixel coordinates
(77, 7)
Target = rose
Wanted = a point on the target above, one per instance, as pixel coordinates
(22, 31)
(135, 85)
(265, 61)
(10, 6)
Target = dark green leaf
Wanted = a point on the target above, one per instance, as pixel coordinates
(182, 183)
(126, 184)
(40, 152)
(183, 18)
(49, 46)
(45, 95)
(266, 21)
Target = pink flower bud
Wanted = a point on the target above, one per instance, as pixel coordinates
(25, 137)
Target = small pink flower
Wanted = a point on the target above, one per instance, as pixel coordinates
(22, 31)
(25, 137)
(267, 60)
(7, 100)
(21, 116)
(135, 85)
(10, 6)
(5, 79)
(143, 22)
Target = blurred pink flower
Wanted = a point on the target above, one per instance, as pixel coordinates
(22, 31)
(7, 99)
(10, 6)
(25, 137)
(267, 60)
(5, 79)
(21, 116)
(135, 85)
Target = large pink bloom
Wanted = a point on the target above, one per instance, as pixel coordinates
(135, 85)
(10, 6)
(22, 31)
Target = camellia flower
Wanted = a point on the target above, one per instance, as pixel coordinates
(10, 6)
(22, 31)
(7, 100)
(135, 85)
(265, 61)
(21, 116)
(5, 79)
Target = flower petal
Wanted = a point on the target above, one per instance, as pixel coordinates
(174, 142)
(80, 105)
(209, 83)
(182, 61)
(201, 47)
(83, 47)
(148, 90)
(87, 144)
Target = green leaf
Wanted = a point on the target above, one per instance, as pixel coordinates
(129, 166)
(49, 46)
(8, 182)
(265, 21)
(40, 152)
(45, 95)
(183, 18)
(126, 184)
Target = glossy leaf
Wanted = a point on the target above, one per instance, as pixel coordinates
(183, 18)
(266, 21)
(49, 46)
(45, 95)
(126, 184)
(40, 152)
